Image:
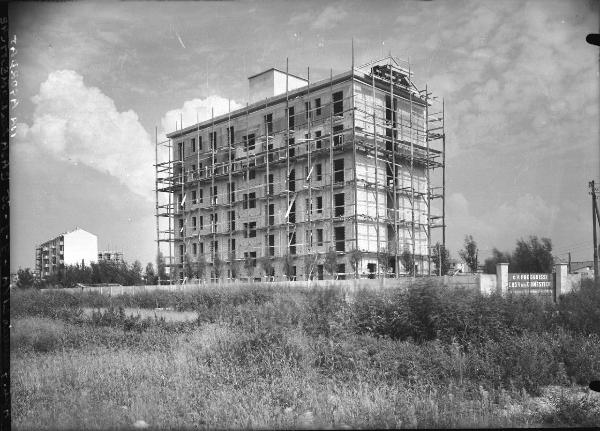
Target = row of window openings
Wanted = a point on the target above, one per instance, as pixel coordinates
(339, 233)
(341, 271)
(249, 140)
(249, 200)
(339, 211)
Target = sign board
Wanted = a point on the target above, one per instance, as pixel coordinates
(530, 282)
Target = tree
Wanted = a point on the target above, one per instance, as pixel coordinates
(161, 267)
(25, 278)
(236, 269)
(441, 259)
(188, 269)
(218, 264)
(384, 261)
(136, 273)
(408, 262)
(288, 265)
(534, 255)
(489, 266)
(201, 265)
(330, 262)
(249, 265)
(150, 275)
(310, 261)
(355, 257)
(470, 253)
(267, 266)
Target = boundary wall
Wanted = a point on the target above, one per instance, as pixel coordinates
(486, 284)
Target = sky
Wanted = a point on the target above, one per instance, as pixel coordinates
(97, 82)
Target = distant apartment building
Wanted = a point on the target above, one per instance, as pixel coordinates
(70, 248)
(342, 164)
(110, 256)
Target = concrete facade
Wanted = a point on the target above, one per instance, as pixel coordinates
(298, 174)
(75, 247)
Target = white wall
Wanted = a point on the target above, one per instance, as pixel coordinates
(79, 245)
(279, 82)
(272, 83)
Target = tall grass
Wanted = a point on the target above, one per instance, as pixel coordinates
(299, 358)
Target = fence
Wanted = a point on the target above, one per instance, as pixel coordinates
(483, 283)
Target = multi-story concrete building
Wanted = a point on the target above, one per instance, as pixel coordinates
(70, 248)
(111, 256)
(342, 164)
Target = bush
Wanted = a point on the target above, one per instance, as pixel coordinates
(324, 312)
(578, 411)
(581, 355)
(579, 311)
(529, 361)
(33, 302)
(37, 334)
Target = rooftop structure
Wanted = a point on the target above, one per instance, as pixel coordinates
(345, 164)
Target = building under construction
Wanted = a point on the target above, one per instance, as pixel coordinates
(353, 162)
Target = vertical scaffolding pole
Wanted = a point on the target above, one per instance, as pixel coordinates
(376, 175)
(308, 248)
(395, 230)
(331, 233)
(231, 139)
(213, 154)
(355, 185)
(156, 189)
(182, 203)
(268, 198)
(287, 153)
(171, 233)
(428, 183)
(443, 176)
(412, 172)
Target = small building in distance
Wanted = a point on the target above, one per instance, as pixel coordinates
(585, 268)
(70, 248)
(110, 256)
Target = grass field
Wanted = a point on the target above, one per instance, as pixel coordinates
(258, 358)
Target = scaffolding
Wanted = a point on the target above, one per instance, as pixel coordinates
(372, 118)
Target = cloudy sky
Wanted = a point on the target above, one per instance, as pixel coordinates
(521, 90)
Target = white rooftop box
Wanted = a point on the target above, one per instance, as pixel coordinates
(271, 83)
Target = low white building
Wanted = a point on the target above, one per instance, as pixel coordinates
(585, 268)
(70, 248)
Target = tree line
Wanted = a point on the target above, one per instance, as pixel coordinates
(102, 272)
(531, 255)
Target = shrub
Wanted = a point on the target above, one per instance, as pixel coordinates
(577, 411)
(36, 333)
(324, 312)
(579, 311)
(32, 302)
(581, 355)
(527, 361)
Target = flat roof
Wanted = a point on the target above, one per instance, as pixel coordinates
(273, 100)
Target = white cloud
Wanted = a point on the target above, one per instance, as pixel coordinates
(80, 124)
(196, 110)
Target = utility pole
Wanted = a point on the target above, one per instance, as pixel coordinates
(439, 260)
(595, 219)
